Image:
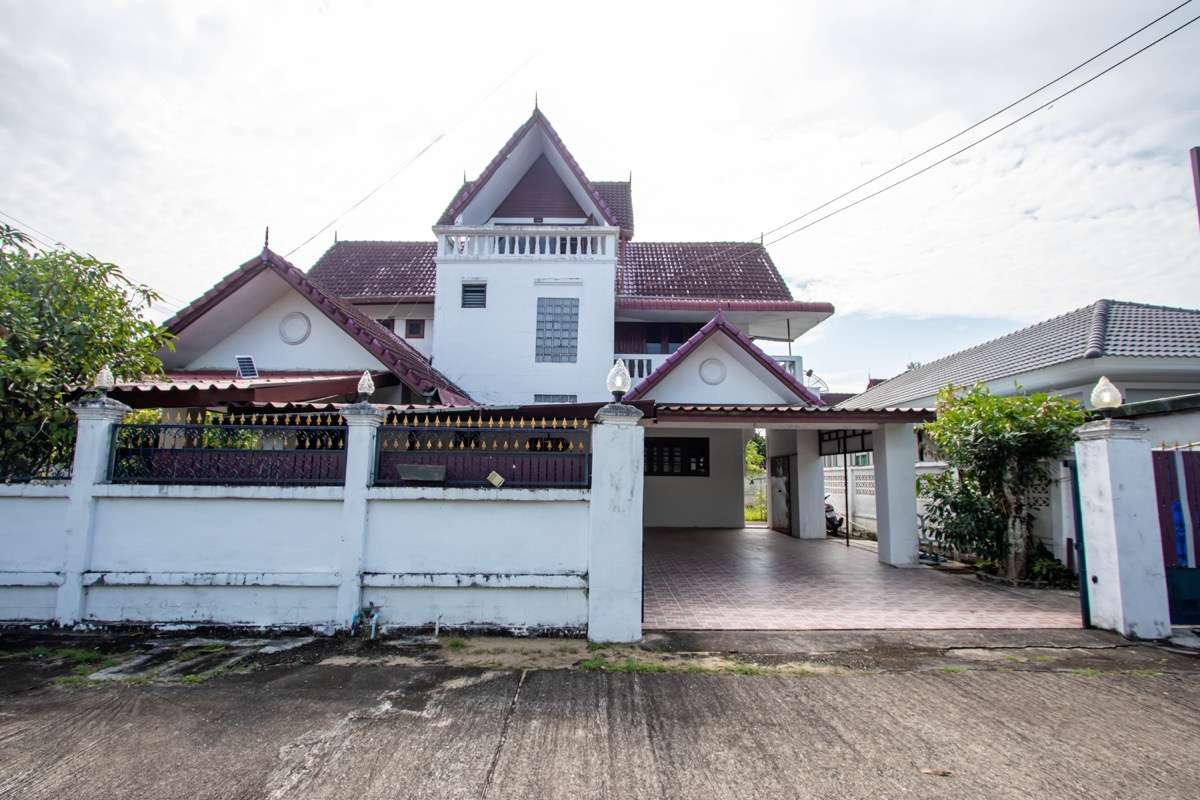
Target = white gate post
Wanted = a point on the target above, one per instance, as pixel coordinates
(362, 426)
(1126, 580)
(896, 494)
(93, 441)
(615, 526)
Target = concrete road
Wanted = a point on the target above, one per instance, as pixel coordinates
(1013, 720)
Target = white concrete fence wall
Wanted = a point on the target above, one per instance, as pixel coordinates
(91, 552)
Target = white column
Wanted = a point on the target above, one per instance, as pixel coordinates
(93, 441)
(362, 421)
(896, 494)
(808, 503)
(615, 526)
(1126, 580)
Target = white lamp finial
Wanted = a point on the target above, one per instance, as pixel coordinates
(1105, 396)
(619, 380)
(104, 380)
(366, 387)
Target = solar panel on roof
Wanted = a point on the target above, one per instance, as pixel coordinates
(245, 367)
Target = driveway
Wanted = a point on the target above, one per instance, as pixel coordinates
(1072, 714)
(757, 579)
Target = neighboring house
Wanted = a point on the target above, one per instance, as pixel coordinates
(1147, 351)
(1150, 352)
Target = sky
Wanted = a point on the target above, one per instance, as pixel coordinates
(166, 137)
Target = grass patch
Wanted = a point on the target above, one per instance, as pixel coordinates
(952, 670)
(594, 646)
(596, 662)
(1143, 673)
(455, 644)
(1087, 672)
(633, 665)
(73, 680)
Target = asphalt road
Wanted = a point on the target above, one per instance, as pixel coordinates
(996, 725)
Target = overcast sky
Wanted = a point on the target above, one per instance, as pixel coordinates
(165, 137)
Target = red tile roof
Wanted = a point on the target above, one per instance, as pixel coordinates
(710, 270)
(386, 271)
(405, 363)
(540, 193)
(537, 119)
(719, 323)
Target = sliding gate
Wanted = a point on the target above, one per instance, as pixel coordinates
(1177, 488)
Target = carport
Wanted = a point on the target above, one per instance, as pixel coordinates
(705, 570)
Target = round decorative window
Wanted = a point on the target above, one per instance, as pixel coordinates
(712, 371)
(294, 328)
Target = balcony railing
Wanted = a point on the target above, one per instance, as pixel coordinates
(522, 243)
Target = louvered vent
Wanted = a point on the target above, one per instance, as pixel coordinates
(474, 295)
(245, 367)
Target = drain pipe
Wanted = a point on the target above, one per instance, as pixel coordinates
(374, 622)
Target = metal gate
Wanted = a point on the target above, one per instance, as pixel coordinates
(781, 494)
(1177, 488)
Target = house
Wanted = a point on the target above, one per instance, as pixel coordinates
(480, 479)
(533, 286)
(1150, 352)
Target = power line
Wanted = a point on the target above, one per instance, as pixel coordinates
(416, 156)
(48, 241)
(747, 247)
(982, 139)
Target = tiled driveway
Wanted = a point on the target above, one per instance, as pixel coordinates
(756, 579)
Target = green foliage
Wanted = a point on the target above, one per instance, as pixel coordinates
(998, 449)
(960, 516)
(63, 316)
(756, 456)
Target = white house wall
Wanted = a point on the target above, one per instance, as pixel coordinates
(327, 347)
(741, 384)
(690, 502)
(490, 351)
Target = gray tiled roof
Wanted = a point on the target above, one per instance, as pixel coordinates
(1105, 328)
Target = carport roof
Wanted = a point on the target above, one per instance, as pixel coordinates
(789, 413)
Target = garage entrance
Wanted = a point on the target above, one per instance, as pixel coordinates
(705, 569)
(756, 579)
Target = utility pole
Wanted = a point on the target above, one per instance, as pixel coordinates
(1195, 153)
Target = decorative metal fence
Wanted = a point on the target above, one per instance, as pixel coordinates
(37, 449)
(479, 450)
(250, 449)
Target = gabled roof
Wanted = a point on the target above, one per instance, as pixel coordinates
(719, 324)
(1106, 328)
(537, 119)
(709, 270)
(379, 271)
(540, 193)
(397, 355)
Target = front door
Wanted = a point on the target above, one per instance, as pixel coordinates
(781, 499)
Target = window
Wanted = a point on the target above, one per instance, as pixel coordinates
(662, 338)
(557, 329)
(414, 329)
(474, 295)
(862, 460)
(677, 456)
(554, 398)
(388, 323)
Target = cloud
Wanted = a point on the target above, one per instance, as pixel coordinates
(166, 136)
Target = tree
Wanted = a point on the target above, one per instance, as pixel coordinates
(756, 456)
(63, 316)
(998, 449)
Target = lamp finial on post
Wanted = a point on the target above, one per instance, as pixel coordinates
(1105, 396)
(366, 387)
(104, 381)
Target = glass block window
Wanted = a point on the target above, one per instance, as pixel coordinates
(557, 329)
(554, 398)
(682, 456)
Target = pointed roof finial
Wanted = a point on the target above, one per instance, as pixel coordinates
(267, 238)
(335, 235)
(535, 105)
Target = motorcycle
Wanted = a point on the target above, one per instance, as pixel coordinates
(833, 522)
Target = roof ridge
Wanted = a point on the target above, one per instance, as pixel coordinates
(1095, 342)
